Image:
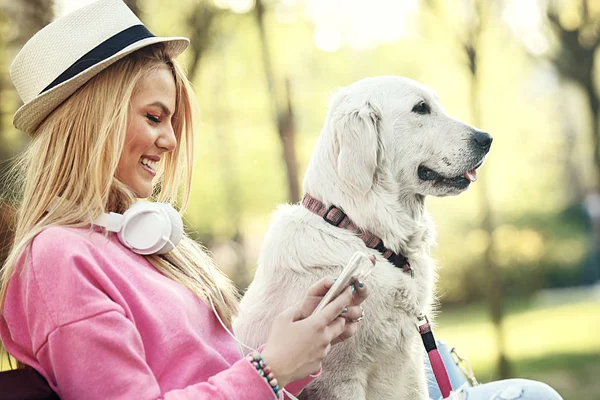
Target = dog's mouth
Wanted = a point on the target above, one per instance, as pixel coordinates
(459, 181)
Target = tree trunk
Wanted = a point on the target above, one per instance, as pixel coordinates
(232, 187)
(287, 131)
(594, 104)
(283, 116)
(574, 187)
(200, 23)
(494, 282)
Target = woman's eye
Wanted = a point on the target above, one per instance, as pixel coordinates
(153, 118)
(421, 108)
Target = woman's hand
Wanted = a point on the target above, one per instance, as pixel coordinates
(354, 311)
(299, 341)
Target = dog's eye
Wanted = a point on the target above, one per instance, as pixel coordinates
(421, 108)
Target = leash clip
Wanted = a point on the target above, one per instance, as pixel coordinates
(423, 326)
(465, 367)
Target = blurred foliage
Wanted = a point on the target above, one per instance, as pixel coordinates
(541, 230)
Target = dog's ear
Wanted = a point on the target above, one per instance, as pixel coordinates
(356, 132)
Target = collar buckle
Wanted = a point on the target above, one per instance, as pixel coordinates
(336, 211)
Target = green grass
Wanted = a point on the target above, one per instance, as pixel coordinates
(559, 345)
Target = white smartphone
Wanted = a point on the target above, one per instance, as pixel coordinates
(359, 267)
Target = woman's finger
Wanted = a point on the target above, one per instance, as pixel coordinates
(337, 305)
(349, 330)
(361, 292)
(352, 313)
(336, 328)
(320, 288)
(313, 297)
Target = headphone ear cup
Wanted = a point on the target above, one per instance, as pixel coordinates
(145, 227)
(176, 228)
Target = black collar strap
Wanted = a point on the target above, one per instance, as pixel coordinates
(336, 217)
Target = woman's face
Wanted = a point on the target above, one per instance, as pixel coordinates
(149, 131)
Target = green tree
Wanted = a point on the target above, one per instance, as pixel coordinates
(575, 60)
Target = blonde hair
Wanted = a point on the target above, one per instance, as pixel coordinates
(75, 153)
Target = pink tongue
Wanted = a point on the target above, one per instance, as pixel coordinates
(471, 175)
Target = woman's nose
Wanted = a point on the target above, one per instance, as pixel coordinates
(167, 139)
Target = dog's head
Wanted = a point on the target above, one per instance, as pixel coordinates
(394, 130)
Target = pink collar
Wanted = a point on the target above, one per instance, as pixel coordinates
(335, 216)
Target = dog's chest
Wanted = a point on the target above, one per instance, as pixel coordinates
(395, 302)
(410, 292)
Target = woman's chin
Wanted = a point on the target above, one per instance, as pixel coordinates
(142, 191)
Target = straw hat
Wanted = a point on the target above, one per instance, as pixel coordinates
(68, 52)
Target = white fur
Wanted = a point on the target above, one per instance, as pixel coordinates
(365, 161)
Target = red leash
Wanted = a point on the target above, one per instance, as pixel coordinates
(437, 365)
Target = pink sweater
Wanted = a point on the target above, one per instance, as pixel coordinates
(100, 322)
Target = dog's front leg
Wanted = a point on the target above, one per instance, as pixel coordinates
(415, 383)
(401, 376)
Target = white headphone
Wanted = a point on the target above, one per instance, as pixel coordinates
(146, 227)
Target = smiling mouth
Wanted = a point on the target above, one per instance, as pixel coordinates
(459, 181)
(148, 165)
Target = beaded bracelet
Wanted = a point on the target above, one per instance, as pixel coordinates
(263, 369)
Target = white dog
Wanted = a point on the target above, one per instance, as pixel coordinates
(386, 144)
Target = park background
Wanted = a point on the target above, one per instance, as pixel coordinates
(519, 252)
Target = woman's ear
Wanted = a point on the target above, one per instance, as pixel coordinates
(356, 132)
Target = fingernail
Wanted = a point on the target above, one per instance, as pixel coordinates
(361, 284)
(345, 310)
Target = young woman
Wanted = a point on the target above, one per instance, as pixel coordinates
(133, 315)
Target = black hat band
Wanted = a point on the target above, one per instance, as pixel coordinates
(104, 50)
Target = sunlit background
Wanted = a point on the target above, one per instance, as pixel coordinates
(519, 252)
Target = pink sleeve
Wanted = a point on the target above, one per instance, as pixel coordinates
(296, 387)
(102, 357)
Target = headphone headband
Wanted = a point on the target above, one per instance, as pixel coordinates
(112, 222)
(146, 227)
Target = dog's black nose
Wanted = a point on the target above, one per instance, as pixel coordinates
(482, 140)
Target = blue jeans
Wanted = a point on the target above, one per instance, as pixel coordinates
(509, 389)
(512, 389)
